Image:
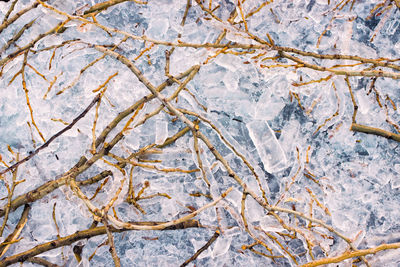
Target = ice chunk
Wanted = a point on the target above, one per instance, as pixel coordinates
(231, 81)
(270, 224)
(161, 131)
(395, 179)
(255, 213)
(221, 246)
(158, 28)
(268, 147)
(268, 106)
(364, 103)
(227, 61)
(235, 197)
(234, 231)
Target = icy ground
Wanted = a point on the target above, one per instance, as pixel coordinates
(297, 138)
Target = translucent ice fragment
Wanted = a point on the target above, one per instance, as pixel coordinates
(161, 131)
(270, 224)
(84, 263)
(235, 197)
(231, 81)
(197, 245)
(227, 61)
(396, 179)
(158, 28)
(221, 246)
(234, 231)
(393, 25)
(364, 102)
(268, 107)
(270, 151)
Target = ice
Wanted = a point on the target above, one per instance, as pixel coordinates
(355, 175)
(364, 102)
(395, 180)
(221, 246)
(234, 231)
(270, 224)
(161, 131)
(267, 145)
(3, 8)
(235, 197)
(254, 212)
(268, 106)
(290, 137)
(84, 263)
(227, 61)
(231, 81)
(158, 28)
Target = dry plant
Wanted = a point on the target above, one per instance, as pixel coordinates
(88, 136)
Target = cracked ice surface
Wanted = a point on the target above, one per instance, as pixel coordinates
(274, 124)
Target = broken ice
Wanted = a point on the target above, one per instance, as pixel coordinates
(268, 147)
(221, 246)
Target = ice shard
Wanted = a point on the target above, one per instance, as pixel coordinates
(267, 145)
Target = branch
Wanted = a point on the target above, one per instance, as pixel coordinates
(352, 254)
(375, 131)
(70, 239)
(18, 229)
(202, 249)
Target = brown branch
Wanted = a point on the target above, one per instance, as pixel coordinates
(17, 36)
(375, 131)
(42, 262)
(111, 244)
(9, 198)
(79, 235)
(10, 10)
(18, 229)
(100, 139)
(17, 15)
(377, 62)
(49, 187)
(363, 73)
(352, 254)
(32, 43)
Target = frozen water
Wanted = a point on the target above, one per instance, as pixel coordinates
(270, 224)
(267, 145)
(158, 28)
(221, 246)
(354, 175)
(268, 106)
(161, 131)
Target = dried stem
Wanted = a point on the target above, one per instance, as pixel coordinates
(202, 249)
(375, 131)
(352, 254)
(79, 235)
(4, 246)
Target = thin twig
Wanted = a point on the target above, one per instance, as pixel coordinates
(352, 254)
(17, 231)
(375, 131)
(202, 249)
